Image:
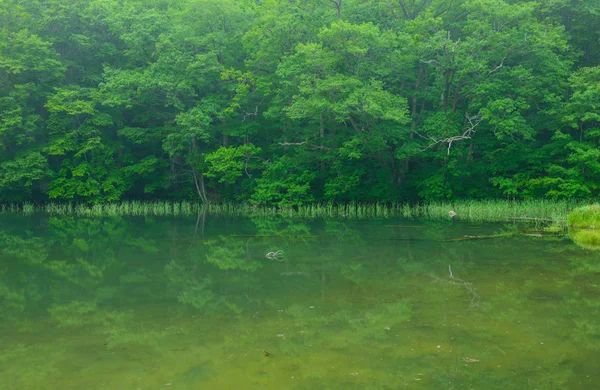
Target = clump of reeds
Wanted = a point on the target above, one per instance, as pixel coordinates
(584, 226)
(585, 217)
(26, 208)
(126, 208)
(9, 208)
(469, 210)
(501, 210)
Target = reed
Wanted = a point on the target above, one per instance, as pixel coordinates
(468, 210)
(28, 208)
(585, 217)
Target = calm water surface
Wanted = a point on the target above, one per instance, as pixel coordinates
(151, 303)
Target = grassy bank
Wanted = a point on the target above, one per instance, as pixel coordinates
(470, 210)
(584, 226)
(585, 217)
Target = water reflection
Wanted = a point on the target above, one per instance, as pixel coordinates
(196, 303)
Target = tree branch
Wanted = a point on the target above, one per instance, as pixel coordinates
(252, 114)
(473, 120)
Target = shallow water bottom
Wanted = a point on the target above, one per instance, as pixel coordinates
(151, 303)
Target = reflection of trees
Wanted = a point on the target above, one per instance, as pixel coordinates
(66, 262)
(358, 294)
(280, 227)
(190, 289)
(231, 254)
(22, 258)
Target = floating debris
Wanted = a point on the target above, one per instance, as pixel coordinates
(542, 295)
(267, 353)
(469, 360)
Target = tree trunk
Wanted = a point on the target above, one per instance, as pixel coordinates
(199, 183)
(321, 129)
(338, 7)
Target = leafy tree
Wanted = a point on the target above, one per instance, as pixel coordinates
(358, 100)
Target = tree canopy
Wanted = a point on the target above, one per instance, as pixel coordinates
(291, 101)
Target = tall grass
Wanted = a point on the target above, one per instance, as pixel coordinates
(586, 217)
(469, 210)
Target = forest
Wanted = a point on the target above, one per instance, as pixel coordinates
(288, 102)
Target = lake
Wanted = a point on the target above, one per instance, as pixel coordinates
(241, 303)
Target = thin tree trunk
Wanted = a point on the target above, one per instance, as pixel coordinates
(198, 176)
(338, 7)
(321, 128)
(199, 182)
(354, 124)
(470, 154)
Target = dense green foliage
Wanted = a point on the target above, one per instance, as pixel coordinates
(285, 102)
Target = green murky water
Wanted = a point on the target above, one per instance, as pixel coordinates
(149, 303)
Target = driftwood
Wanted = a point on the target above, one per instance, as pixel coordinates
(466, 238)
(533, 219)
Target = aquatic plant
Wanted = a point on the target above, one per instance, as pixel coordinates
(585, 217)
(587, 239)
(584, 226)
(541, 211)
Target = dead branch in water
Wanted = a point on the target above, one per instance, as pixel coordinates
(474, 297)
(464, 238)
(467, 238)
(533, 219)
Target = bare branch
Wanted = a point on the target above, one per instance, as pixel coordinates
(455, 45)
(500, 65)
(474, 297)
(473, 122)
(252, 114)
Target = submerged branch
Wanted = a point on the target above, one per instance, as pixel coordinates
(474, 297)
(464, 238)
(533, 219)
